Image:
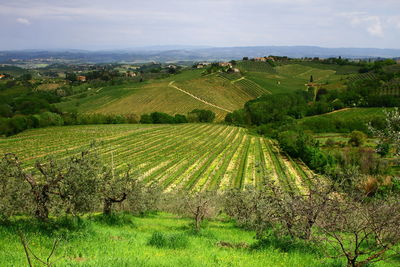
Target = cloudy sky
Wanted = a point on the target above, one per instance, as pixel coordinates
(119, 24)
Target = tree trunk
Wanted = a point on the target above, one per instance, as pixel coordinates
(108, 201)
(352, 262)
(42, 199)
(107, 206)
(198, 219)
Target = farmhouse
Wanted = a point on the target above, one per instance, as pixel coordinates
(2, 76)
(202, 65)
(225, 64)
(131, 74)
(236, 70)
(260, 59)
(81, 78)
(398, 61)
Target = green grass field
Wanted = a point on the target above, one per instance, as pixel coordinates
(188, 156)
(93, 241)
(352, 113)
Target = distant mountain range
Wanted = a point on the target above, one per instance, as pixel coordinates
(192, 53)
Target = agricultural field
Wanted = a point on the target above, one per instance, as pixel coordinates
(191, 157)
(162, 95)
(292, 77)
(255, 66)
(219, 92)
(363, 114)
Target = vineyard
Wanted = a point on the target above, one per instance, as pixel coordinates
(362, 76)
(188, 157)
(254, 66)
(391, 88)
(249, 87)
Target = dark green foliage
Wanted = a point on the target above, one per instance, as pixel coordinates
(201, 115)
(162, 118)
(357, 138)
(284, 244)
(146, 119)
(5, 110)
(120, 219)
(303, 146)
(322, 124)
(179, 118)
(30, 105)
(237, 117)
(383, 149)
(272, 108)
(171, 241)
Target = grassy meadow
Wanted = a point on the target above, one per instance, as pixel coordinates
(125, 240)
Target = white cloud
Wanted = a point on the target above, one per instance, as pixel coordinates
(394, 21)
(372, 24)
(375, 28)
(23, 21)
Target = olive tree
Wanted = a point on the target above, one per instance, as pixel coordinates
(14, 192)
(70, 185)
(363, 230)
(390, 134)
(271, 207)
(197, 205)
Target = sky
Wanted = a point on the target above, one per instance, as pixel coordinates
(125, 24)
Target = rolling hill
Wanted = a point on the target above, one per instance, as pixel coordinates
(219, 92)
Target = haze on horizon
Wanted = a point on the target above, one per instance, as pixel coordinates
(121, 24)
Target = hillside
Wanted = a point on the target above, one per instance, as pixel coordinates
(219, 92)
(191, 156)
(159, 95)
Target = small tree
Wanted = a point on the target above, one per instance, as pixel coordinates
(390, 134)
(287, 213)
(199, 206)
(361, 229)
(357, 138)
(14, 192)
(72, 184)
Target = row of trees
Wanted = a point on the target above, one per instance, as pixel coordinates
(341, 220)
(19, 123)
(196, 115)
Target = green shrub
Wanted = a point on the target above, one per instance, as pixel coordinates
(357, 138)
(113, 219)
(171, 241)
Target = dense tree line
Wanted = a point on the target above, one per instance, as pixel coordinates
(20, 122)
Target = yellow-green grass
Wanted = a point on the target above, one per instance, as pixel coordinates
(190, 156)
(95, 243)
(352, 113)
(294, 77)
(255, 66)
